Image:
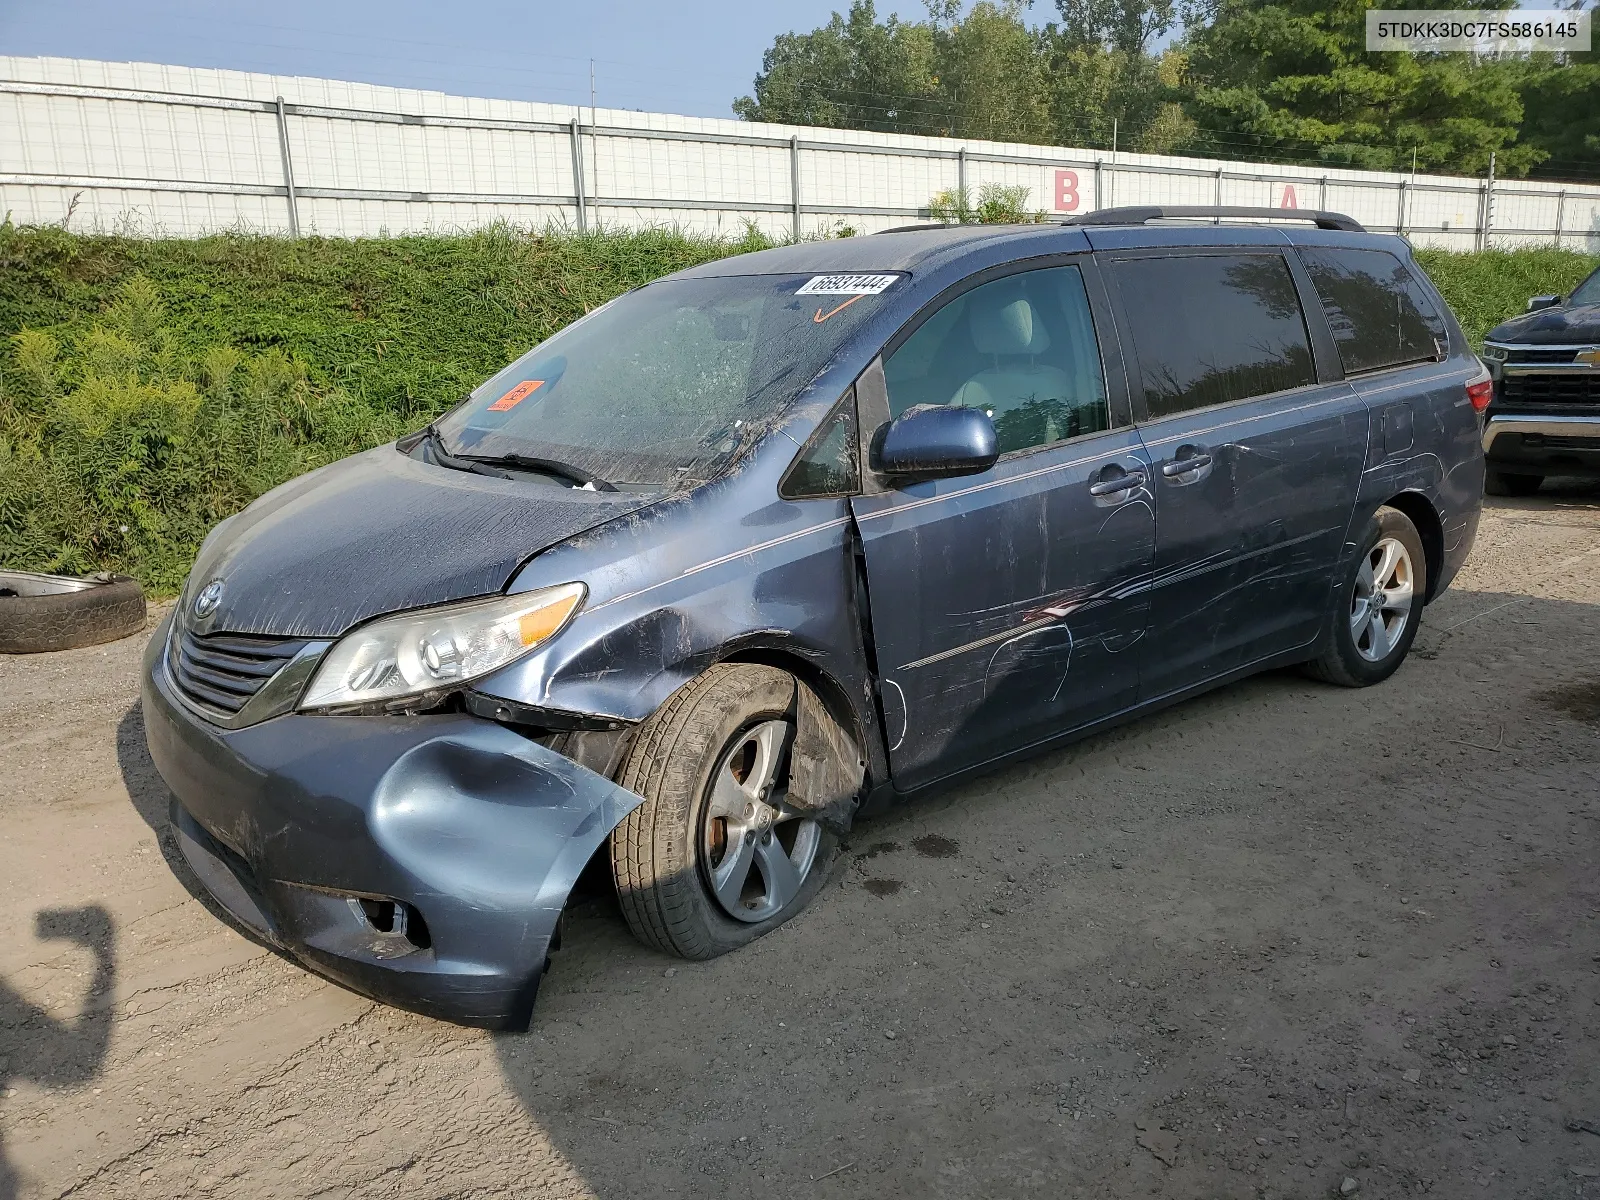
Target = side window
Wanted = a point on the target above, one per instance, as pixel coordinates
(1022, 348)
(827, 466)
(1213, 328)
(1379, 314)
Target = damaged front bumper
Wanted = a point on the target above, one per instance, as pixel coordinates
(423, 861)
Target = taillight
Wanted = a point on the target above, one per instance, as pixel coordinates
(1480, 391)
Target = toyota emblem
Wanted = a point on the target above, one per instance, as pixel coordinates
(210, 596)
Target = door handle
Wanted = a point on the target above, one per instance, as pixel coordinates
(1124, 482)
(1186, 464)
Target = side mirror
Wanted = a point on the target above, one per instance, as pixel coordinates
(937, 441)
(1538, 302)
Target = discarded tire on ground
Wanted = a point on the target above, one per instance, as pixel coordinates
(60, 612)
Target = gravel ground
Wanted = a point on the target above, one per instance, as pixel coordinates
(1286, 940)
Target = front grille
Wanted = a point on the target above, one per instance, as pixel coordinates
(223, 670)
(1527, 390)
(1526, 355)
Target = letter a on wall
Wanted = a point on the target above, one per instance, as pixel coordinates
(1289, 198)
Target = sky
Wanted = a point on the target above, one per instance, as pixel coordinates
(680, 56)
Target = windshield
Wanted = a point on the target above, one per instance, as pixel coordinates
(1587, 292)
(663, 385)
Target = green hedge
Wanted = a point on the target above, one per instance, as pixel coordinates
(148, 388)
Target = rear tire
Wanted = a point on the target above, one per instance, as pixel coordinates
(1379, 606)
(668, 855)
(1502, 483)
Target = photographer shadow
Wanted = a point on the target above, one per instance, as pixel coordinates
(40, 1049)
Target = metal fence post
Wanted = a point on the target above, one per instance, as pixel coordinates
(794, 181)
(1486, 226)
(1218, 200)
(1400, 209)
(961, 171)
(577, 177)
(288, 170)
(1099, 196)
(1561, 211)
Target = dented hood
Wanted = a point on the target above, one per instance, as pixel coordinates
(381, 532)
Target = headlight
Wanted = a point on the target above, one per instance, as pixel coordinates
(435, 648)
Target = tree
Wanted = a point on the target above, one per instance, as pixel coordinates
(853, 73)
(982, 73)
(993, 79)
(1292, 79)
(1561, 106)
(1125, 25)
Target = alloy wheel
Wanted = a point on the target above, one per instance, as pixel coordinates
(756, 852)
(1381, 602)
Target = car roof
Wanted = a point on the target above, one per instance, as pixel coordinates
(895, 250)
(919, 249)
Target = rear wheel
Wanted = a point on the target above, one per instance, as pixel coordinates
(1375, 619)
(714, 857)
(1502, 483)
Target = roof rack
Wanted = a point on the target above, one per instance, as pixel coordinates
(915, 228)
(1140, 214)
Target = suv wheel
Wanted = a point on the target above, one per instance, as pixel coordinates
(1501, 483)
(1379, 606)
(714, 858)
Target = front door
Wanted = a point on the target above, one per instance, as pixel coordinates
(1005, 606)
(1256, 463)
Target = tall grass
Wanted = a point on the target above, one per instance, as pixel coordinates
(149, 388)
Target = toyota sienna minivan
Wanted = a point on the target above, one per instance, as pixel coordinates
(787, 537)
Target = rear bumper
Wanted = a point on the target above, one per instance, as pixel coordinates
(1543, 444)
(292, 822)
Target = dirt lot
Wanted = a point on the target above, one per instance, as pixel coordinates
(1283, 940)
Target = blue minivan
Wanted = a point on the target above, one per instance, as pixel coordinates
(789, 536)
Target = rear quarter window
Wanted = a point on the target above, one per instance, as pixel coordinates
(1378, 311)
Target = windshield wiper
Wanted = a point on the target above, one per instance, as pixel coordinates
(435, 443)
(545, 466)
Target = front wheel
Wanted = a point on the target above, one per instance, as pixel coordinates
(715, 857)
(1379, 606)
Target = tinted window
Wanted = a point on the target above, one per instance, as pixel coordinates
(1214, 328)
(1379, 314)
(1022, 348)
(828, 466)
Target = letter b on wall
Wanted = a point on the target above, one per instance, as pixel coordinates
(1067, 199)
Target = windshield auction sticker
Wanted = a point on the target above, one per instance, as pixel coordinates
(516, 395)
(845, 285)
(1492, 31)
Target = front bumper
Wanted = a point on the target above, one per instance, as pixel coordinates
(478, 831)
(1556, 443)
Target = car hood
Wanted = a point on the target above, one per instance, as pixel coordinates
(1568, 325)
(378, 533)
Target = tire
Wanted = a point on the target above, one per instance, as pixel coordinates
(47, 612)
(1502, 483)
(1352, 638)
(685, 762)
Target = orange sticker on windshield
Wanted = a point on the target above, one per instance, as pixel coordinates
(516, 395)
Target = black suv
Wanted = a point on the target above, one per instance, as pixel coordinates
(1545, 417)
